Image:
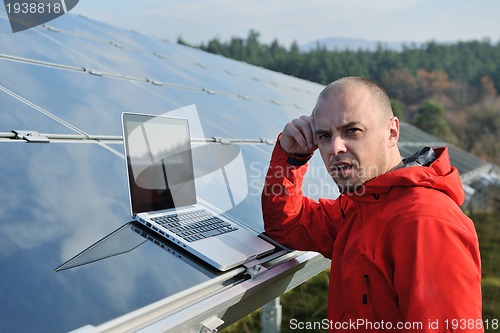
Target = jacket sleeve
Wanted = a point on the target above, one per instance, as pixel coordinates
(437, 273)
(290, 218)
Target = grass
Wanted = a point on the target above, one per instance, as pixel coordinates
(488, 230)
(308, 302)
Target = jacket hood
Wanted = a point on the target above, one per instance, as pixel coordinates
(428, 168)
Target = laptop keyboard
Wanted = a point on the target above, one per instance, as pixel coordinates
(194, 225)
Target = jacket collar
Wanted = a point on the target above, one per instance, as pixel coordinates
(430, 168)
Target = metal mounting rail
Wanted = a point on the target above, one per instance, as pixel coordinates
(209, 312)
(36, 137)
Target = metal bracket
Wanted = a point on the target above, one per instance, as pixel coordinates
(92, 71)
(221, 140)
(208, 91)
(31, 136)
(254, 268)
(210, 325)
(267, 141)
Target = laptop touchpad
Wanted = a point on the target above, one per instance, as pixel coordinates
(239, 246)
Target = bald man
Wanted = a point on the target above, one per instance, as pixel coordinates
(405, 258)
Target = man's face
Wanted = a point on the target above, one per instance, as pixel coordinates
(353, 138)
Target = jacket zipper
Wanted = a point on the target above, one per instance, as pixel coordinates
(342, 212)
(365, 295)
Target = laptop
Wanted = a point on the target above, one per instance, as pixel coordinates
(162, 191)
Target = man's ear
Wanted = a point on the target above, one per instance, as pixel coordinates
(393, 131)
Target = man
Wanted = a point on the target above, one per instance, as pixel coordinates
(404, 256)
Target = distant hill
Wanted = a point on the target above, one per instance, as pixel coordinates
(353, 44)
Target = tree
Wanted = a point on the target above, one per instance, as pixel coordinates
(478, 128)
(432, 83)
(487, 86)
(431, 119)
(398, 108)
(236, 49)
(253, 52)
(214, 46)
(181, 41)
(402, 85)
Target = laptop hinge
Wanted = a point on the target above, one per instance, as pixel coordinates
(31, 136)
(254, 268)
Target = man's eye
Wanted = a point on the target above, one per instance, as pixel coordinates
(353, 130)
(323, 136)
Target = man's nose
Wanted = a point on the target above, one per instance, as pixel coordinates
(337, 146)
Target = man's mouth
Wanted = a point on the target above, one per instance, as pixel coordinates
(341, 169)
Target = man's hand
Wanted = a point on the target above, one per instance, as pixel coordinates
(299, 136)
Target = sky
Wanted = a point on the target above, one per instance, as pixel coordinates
(198, 21)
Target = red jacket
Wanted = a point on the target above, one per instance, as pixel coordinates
(405, 258)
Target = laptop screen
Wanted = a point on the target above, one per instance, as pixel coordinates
(159, 162)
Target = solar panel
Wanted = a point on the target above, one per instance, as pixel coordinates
(76, 78)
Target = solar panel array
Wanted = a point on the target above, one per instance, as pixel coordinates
(68, 83)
